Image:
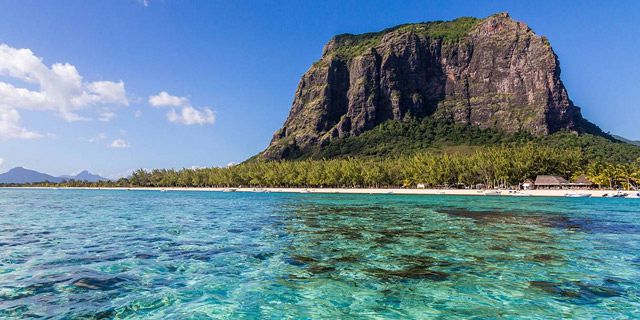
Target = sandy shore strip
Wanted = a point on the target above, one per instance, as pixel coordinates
(458, 192)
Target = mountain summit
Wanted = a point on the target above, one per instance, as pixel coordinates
(491, 73)
(85, 176)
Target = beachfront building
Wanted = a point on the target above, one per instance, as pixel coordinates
(582, 183)
(528, 185)
(551, 182)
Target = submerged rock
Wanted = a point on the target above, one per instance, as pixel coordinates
(412, 272)
(144, 256)
(298, 260)
(582, 292)
(99, 283)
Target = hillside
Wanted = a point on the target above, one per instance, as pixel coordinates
(493, 74)
(403, 138)
(20, 175)
(619, 138)
(85, 176)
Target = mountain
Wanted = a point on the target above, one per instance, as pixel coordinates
(85, 176)
(493, 73)
(635, 143)
(22, 175)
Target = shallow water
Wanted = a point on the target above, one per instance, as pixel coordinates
(151, 255)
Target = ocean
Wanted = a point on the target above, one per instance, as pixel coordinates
(103, 254)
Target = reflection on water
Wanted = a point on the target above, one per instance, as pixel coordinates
(110, 254)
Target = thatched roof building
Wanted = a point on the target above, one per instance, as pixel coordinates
(550, 182)
(582, 182)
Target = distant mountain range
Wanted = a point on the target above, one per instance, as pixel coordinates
(22, 175)
(635, 143)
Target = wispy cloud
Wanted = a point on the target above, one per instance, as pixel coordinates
(190, 115)
(101, 136)
(10, 128)
(164, 99)
(107, 116)
(186, 113)
(119, 143)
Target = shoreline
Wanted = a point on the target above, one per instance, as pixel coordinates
(396, 191)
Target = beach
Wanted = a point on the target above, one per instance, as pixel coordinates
(398, 191)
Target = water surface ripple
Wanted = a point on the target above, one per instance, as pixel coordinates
(98, 254)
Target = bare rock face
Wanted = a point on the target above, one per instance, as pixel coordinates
(491, 73)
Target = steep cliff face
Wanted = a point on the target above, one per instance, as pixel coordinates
(492, 73)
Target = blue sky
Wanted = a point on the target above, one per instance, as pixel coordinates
(229, 70)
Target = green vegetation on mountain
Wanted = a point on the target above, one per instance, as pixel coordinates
(349, 45)
(400, 138)
(448, 31)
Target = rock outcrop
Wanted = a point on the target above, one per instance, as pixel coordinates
(492, 73)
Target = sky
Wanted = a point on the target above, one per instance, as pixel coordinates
(112, 86)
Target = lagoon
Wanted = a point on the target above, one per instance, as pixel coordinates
(157, 255)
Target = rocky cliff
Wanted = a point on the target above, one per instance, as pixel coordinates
(492, 73)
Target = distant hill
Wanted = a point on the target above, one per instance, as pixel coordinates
(85, 176)
(635, 143)
(22, 175)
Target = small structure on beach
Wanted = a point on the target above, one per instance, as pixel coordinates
(550, 182)
(528, 185)
(421, 186)
(582, 183)
(479, 186)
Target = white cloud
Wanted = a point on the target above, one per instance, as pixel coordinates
(187, 115)
(164, 99)
(60, 89)
(107, 116)
(99, 137)
(119, 143)
(137, 113)
(9, 128)
(105, 92)
(1, 162)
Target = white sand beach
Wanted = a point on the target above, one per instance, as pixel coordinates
(396, 191)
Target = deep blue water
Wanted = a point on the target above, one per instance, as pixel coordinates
(68, 254)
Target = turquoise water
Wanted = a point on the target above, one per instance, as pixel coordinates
(68, 254)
